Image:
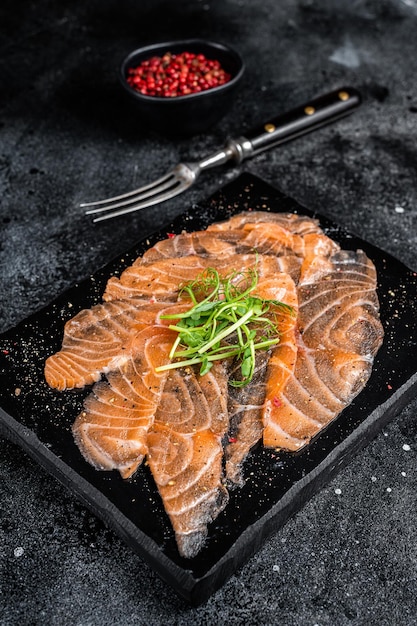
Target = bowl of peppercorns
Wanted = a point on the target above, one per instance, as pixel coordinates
(182, 87)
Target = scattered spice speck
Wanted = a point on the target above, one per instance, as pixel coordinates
(275, 568)
(389, 489)
(403, 474)
(374, 479)
(17, 391)
(18, 552)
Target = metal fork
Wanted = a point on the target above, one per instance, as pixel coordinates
(283, 128)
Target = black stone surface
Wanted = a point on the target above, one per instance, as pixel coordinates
(349, 557)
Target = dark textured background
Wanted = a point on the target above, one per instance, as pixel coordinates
(67, 135)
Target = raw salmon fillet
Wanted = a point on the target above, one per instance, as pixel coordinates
(273, 369)
(200, 243)
(163, 278)
(289, 238)
(112, 430)
(185, 452)
(191, 402)
(299, 224)
(268, 238)
(229, 242)
(97, 340)
(245, 414)
(339, 335)
(195, 432)
(187, 470)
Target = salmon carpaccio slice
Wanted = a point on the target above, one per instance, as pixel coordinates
(191, 402)
(280, 235)
(112, 430)
(164, 277)
(185, 452)
(268, 233)
(97, 340)
(186, 469)
(289, 238)
(339, 334)
(211, 247)
(268, 238)
(272, 371)
(298, 224)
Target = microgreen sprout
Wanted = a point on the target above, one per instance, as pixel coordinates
(225, 321)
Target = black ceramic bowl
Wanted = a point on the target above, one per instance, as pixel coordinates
(190, 114)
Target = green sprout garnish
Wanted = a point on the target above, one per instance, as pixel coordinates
(225, 321)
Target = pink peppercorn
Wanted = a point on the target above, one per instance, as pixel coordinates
(175, 75)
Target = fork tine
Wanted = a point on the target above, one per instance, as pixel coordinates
(128, 208)
(170, 184)
(130, 194)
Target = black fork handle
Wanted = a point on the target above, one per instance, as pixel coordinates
(301, 120)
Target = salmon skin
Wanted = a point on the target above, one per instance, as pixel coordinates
(195, 432)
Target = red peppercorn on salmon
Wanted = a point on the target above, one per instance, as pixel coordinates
(195, 429)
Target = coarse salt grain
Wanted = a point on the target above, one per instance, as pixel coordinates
(406, 447)
(373, 478)
(338, 492)
(403, 474)
(18, 551)
(389, 489)
(399, 209)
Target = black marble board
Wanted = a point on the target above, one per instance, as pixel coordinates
(277, 484)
